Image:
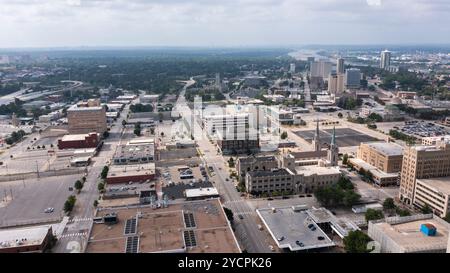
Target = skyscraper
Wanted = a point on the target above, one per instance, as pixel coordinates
(385, 59)
(336, 83)
(292, 68)
(340, 66)
(320, 69)
(352, 78)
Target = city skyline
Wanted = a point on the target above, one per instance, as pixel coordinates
(138, 23)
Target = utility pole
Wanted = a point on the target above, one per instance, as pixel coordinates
(37, 169)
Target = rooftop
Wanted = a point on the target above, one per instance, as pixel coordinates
(23, 236)
(442, 184)
(250, 159)
(405, 232)
(291, 226)
(311, 170)
(201, 192)
(131, 170)
(74, 137)
(273, 172)
(386, 148)
(163, 230)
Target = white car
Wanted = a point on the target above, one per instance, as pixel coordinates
(49, 210)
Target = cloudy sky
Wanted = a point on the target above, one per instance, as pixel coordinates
(54, 23)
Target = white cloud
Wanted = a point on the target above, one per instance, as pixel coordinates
(218, 22)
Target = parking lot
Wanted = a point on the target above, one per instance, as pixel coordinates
(24, 202)
(345, 137)
(423, 129)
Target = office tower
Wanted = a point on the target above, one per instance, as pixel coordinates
(320, 69)
(385, 61)
(353, 78)
(87, 117)
(292, 68)
(340, 66)
(423, 162)
(336, 83)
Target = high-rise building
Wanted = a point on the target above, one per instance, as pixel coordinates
(385, 61)
(292, 68)
(423, 162)
(340, 69)
(353, 78)
(336, 83)
(87, 117)
(320, 69)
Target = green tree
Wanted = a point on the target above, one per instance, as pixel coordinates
(389, 204)
(356, 242)
(229, 214)
(345, 159)
(104, 173)
(284, 135)
(95, 203)
(340, 115)
(426, 209)
(231, 163)
(373, 214)
(70, 203)
(101, 186)
(402, 212)
(78, 185)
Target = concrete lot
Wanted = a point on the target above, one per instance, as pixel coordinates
(344, 136)
(31, 197)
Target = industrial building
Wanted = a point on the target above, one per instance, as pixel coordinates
(411, 234)
(141, 150)
(130, 173)
(79, 141)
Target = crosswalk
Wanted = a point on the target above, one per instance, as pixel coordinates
(75, 220)
(78, 234)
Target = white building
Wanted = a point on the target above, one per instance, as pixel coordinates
(385, 61)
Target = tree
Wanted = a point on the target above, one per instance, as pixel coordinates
(84, 179)
(389, 204)
(284, 135)
(137, 129)
(356, 242)
(231, 163)
(426, 209)
(95, 203)
(229, 214)
(373, 214)
(402, 212)
(78, 185)
(70, 203)
(345, 159)
(101, 186)
(124, 123)
(340, 115)
(104, 173)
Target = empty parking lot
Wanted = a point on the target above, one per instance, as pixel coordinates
(345, 137)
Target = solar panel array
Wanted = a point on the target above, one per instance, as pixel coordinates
(130, 226)
(189, 220)
(189, 238)
(132, 244)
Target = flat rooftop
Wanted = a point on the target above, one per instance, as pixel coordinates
(162, 230)
(311, 170)
(201, 192)
(442, 184)
(408, 236)
(74, 137)
(32, 236)
(135, 150)
(274, 172)
(257, 159)
(292, 226)
(386, 148)
(131, 170)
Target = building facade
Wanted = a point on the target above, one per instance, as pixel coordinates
(353, 78)
(387, 157)
(422, 162)
(79, 141)
(255, 163)
(385, 61)
(87, 117)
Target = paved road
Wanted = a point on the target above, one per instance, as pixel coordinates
(74, 238)
(246, 228)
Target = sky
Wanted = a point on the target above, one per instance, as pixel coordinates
(215, 23)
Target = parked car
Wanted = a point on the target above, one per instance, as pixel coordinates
(49, 210)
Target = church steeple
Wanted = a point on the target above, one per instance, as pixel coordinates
(316, 140)
(333, 152)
